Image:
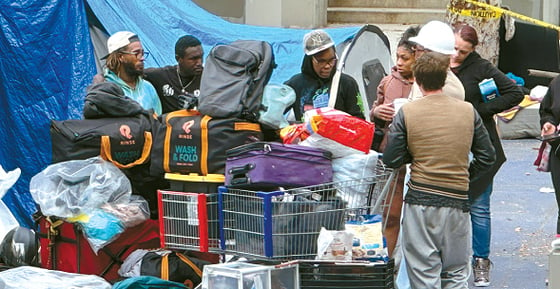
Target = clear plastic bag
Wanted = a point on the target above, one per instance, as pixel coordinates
(7, 220)
(135, 212)
(69, 189)
(39, 278)
(101, 228)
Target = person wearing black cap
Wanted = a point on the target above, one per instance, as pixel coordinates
(176, 84)
(125, 67)
(313, 84)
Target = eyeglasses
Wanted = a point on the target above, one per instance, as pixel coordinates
(324, 62)
(139, 54)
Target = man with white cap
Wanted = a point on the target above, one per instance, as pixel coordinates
(313, 84)
(125, 67)
(438, 37)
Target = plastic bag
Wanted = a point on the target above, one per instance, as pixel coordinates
(358, 167)
(334, 245)
(542, 161)
(368, 238)
(7, 219)
(337, 149)
(39, 278)
(101, 228)
(133, 213)
(69, 189)
(341, 127)
(294, 134)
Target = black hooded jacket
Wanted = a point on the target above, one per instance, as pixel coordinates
(107, 99)
(308, 84)
(471, 72)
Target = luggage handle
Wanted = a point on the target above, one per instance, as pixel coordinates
(235, 171)
(240, 181)
(106, 151)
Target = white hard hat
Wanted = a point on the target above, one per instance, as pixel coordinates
(316, 41)
(436, 36)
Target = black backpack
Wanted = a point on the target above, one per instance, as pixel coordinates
(234, 78)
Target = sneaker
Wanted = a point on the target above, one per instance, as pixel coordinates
(481, 268)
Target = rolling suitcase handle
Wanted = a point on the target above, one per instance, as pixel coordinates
(239, 174)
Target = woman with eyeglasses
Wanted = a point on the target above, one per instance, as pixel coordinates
(313, 84)
(125, 67)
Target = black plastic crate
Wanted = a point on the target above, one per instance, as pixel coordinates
(315, 274)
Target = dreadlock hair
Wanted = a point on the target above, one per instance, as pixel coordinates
(113, 62)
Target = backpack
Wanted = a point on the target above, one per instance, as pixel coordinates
(234, 78)
(164, 264)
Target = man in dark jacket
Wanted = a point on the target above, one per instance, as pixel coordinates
(176, 84)
(436, 134)
(313, 84)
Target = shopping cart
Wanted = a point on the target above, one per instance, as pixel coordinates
(188, 221)
(285, 224)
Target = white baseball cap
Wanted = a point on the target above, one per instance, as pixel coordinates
(120, 40)
(316, 41)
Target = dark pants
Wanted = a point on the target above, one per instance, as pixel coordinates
(554, 162)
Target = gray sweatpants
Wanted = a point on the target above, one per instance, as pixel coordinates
(436, 244)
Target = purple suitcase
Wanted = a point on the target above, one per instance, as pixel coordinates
(273, 164)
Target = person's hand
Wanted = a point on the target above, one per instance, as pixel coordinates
(384, 112)
(548, 128)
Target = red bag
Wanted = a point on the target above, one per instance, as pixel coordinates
(343, 128)
(64, 248)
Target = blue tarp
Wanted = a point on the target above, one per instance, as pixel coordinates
(46, 62)
(160, 23)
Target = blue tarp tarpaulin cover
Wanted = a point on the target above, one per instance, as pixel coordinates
(45, 64)
(47, 61)
(160, 23)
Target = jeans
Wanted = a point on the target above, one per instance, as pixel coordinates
(481, 227)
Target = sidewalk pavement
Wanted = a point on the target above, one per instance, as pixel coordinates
(523, 220)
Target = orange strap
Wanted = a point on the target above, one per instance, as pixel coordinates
(195, 268)
(169, 130)
(106, 151)
(165, 267)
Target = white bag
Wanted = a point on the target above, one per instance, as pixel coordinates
(27, 277)
(7, 220)
(359, 167)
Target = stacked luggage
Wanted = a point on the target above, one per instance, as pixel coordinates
(231, 178)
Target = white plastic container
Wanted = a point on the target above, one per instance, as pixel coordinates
(554, 265)
(240, 275)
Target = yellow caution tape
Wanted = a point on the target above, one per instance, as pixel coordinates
(477, 13)
(491, 11)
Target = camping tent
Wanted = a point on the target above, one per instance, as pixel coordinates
(48, 57)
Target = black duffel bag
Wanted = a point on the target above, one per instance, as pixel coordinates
(124, 141)
(189, 142)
